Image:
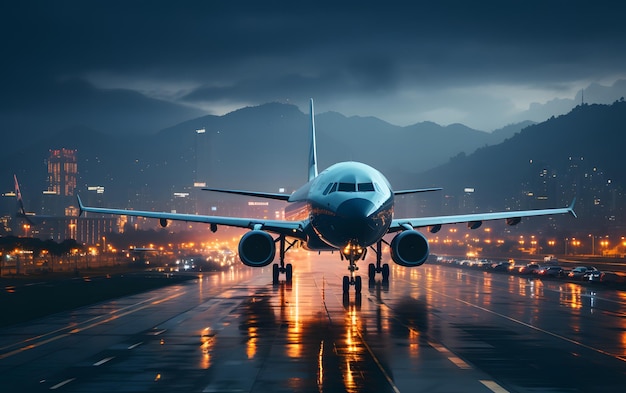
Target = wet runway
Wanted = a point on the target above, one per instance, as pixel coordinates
(432, 329)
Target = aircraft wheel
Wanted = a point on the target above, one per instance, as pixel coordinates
(275, 273)
(386, 272)
(357, 284)
(346, 284)
(371, 271)
(288, 272)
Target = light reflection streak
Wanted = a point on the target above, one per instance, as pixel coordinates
(414, 336)
(200, 286)
(623, 338)
(251, 345)
(570, 295)
(294, 348)
(487, 288)
(320, 367)
(353, 351)
(208, 340)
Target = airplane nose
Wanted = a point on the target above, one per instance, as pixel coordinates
(356, 208)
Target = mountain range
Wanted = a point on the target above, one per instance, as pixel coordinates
(576, 155)
(265, 148)
(262, 148)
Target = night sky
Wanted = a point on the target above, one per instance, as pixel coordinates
(480, 63)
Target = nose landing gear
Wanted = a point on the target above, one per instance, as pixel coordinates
(353, 253)
(352, 280)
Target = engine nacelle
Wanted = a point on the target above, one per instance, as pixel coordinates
(409, 248)
(257, 249)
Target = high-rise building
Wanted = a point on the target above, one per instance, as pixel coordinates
(62, 172)
(62, 180)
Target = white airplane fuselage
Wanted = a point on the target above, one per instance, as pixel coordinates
(348, 204)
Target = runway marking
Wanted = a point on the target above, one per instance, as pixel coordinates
(101, 362)
(135, 345)
(451, 356)
(32, 343)
(456, 360)
(58, 385)
(493, 386)
(380, 366)
(31, 346)
(365, 344)
(558, 336)
(572, 341)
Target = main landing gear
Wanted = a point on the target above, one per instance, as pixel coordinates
(278, 268)
(378, 268)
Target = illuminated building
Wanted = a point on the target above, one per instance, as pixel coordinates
(62, 177)
(62, 172)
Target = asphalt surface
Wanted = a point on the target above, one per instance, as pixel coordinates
(432, 329)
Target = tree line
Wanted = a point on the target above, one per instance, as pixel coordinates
(10, 243)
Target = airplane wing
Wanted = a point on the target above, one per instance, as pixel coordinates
(475, 220)
(403, 192)
(268, 195)
(291, 228)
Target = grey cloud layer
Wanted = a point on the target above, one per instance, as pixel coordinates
(255, 52)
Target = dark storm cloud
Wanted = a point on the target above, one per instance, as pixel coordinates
(252, 52)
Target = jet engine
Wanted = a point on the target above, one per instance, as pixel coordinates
(257, 249)
(409, 248)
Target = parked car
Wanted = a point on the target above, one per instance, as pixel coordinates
(552, 271)
(501, 266)
(578, 272)
(607, 277)
(531, 268)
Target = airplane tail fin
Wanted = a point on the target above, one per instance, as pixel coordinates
(21, 212)
(18, 195)
(313, 148)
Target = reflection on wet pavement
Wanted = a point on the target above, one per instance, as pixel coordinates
(431, 328)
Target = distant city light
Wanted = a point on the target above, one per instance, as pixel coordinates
(252, 203)
(97, 189)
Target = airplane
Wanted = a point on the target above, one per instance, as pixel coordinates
(348, 207)
(30, 218)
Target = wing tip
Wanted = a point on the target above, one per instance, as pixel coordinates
(80, 206)
(570, 209)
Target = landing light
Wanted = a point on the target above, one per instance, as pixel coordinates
(352, 249)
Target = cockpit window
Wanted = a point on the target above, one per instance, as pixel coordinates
(366, 187)
(347, 187)
(350, 187)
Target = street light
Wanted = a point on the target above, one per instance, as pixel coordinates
(604, 244)
(575, 243)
